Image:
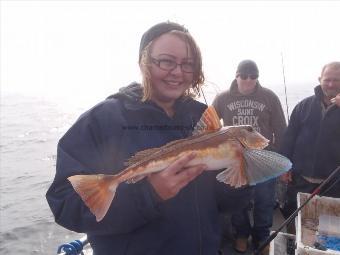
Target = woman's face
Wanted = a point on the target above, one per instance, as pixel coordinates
(171, 68)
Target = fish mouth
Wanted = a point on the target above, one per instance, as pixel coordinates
(256, 145)
(264, 143)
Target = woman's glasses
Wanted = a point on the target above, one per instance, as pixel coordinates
(246, 76)
(169, 65)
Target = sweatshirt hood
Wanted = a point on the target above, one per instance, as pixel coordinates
(132, 92)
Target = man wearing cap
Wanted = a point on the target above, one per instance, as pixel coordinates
(248, 103)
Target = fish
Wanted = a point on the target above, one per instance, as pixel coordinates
(238, 150)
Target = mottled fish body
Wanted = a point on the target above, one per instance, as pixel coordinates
(237, 149)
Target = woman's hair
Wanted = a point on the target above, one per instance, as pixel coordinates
(198, 76)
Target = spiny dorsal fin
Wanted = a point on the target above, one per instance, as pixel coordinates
(208, 122)
(140, 155)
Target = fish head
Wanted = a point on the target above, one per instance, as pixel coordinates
(248, 136)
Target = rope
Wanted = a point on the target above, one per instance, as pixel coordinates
(73, 248)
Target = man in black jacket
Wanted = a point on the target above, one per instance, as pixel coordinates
(312, 140)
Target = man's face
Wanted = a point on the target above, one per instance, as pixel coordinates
(330, 82)
(246, 83)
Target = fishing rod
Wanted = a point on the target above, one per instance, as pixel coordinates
(284, 83)
(215, 86)
(204, 96)
(293, 215)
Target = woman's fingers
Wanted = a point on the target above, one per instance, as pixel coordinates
(171, 180)
(179, 164)
(187, 175)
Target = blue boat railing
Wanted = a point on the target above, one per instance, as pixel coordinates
(73, 248)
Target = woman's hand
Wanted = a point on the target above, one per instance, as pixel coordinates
(176, 176)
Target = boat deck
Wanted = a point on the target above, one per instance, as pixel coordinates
(227, 245)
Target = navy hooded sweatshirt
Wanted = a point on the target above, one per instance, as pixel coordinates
(137, 222)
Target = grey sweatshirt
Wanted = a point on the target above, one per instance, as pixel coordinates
(261, 109)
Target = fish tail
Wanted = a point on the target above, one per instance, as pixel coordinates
(263, 165)
(97, 191)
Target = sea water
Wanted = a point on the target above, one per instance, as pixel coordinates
(30, 127)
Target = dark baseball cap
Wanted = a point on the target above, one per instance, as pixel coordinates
(247, 67)
(156, 31)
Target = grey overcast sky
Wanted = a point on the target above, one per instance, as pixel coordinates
(90, 48)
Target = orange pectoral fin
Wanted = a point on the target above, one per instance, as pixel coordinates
(235, 175)
(97, 191)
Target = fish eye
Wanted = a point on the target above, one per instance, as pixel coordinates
(250, 129)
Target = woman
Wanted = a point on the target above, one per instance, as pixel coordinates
(171, 212)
